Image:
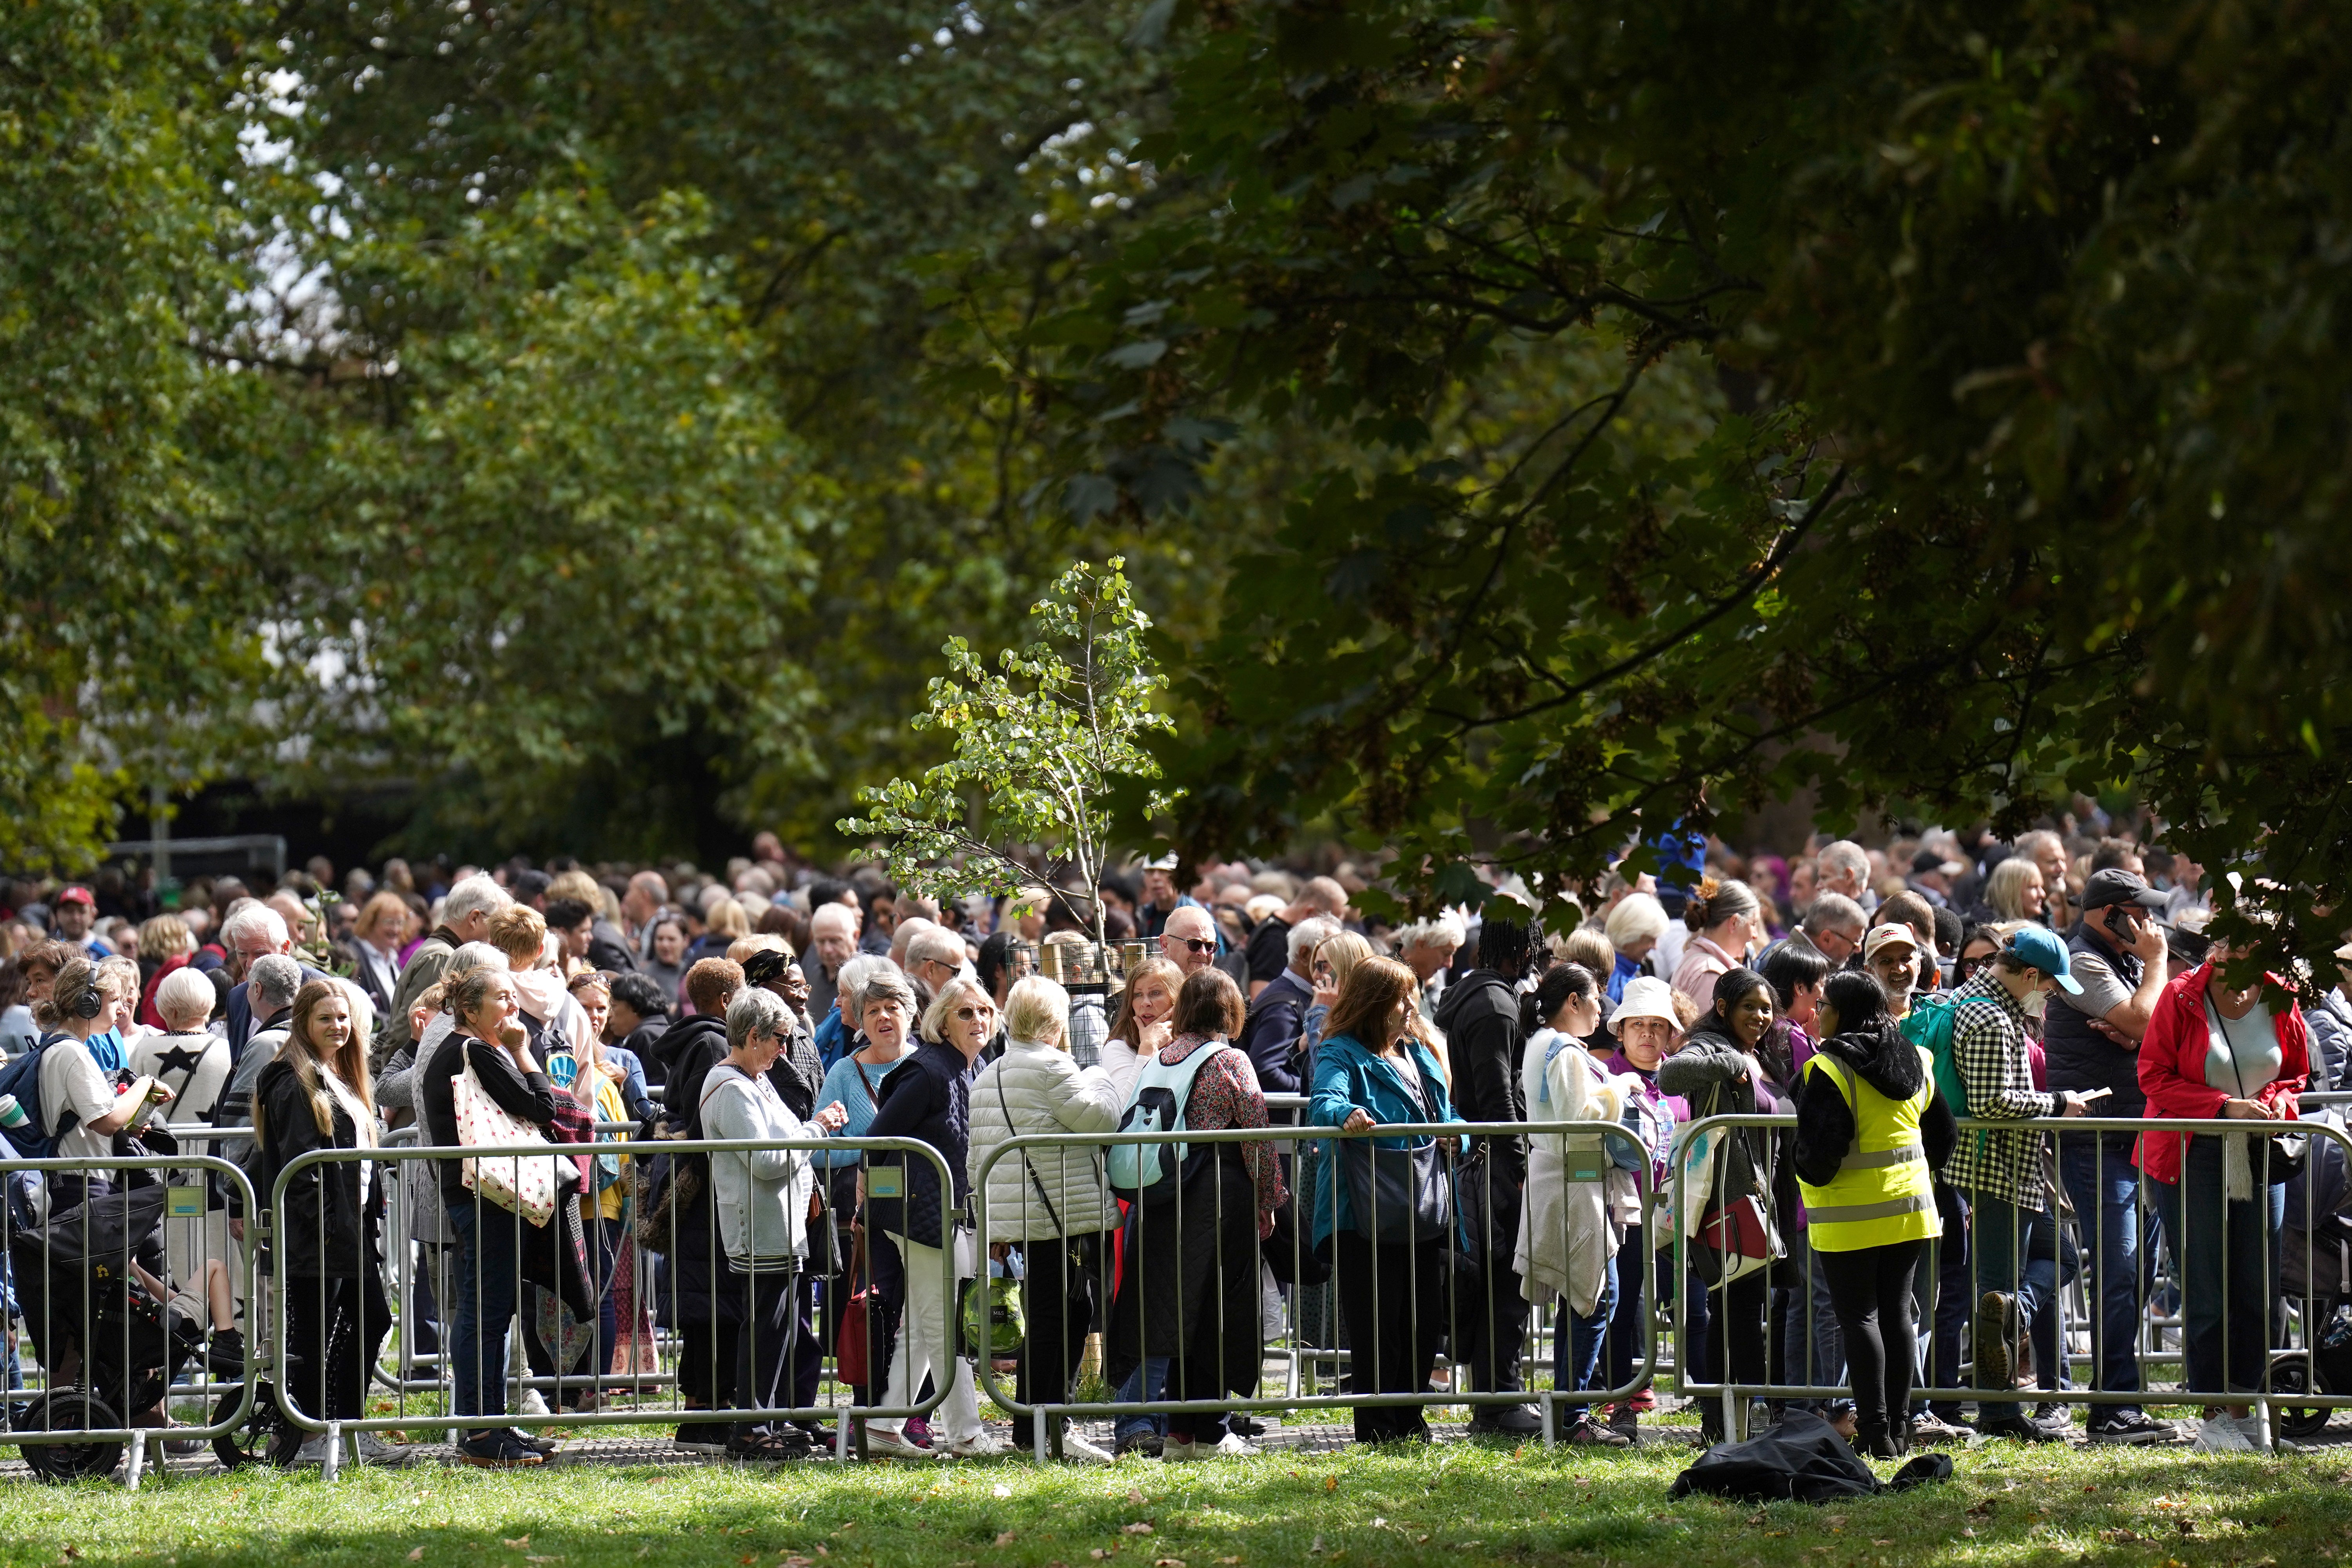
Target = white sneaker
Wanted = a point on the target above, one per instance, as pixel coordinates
(374, 1450)
(533, 1404)
(1078, 1450)
(1233, 1446)
(979, 1446)
(2220, 1435)
(2250, 1425)
(883, 1443)
(1181, 1451)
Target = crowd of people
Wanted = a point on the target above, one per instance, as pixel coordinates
(1871, 1000)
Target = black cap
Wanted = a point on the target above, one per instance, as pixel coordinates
(2117, 886)
(765, 965)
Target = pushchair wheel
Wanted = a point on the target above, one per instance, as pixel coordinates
(70, 1410)
(2291, 1375)
(266, 1437)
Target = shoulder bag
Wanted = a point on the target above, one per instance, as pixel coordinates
(523, 1184)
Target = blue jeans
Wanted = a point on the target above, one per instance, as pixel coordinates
(1151, 1375)
(488, 1259)
(2228, 1254)
(2000, 1235)
(2104, 1187)
(1576, 1342)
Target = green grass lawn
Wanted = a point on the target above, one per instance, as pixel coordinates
(1453, 1505)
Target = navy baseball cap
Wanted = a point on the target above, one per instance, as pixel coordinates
(2046, 953)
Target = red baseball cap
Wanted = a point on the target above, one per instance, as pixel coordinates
(75, 894)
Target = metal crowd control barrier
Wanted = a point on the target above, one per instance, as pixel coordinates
(100, 1337)
(602, 1255)
(1432, 1307)
(2288, 1394)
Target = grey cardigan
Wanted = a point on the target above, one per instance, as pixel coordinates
(762, 1194)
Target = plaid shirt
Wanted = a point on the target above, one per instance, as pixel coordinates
(1989, 1050)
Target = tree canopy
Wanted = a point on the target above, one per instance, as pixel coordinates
(2021, 476)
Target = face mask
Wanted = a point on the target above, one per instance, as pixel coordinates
(2034, 1002)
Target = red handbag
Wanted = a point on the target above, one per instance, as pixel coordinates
(849, 1349)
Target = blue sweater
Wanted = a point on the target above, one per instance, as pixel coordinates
(1348, 1078)
(842, 1084)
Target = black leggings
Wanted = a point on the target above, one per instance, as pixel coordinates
(335, 1327)
(1870, 1287)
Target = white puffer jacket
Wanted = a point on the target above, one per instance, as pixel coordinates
(1045, 1091)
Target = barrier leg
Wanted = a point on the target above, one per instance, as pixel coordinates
(1037, 1434)
(136, 1463)
(1550, 1418)
(332, 1464)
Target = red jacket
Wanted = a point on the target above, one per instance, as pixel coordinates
(2172, 1070)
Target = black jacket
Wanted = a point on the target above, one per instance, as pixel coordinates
(1276, 1021)
(928, 1097)
(329, 1232)
(1890, 1064)
(690, 1288)
(608, 949)
(531, 1099)
(1482, 1038)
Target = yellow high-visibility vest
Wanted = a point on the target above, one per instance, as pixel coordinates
(1883, 1192)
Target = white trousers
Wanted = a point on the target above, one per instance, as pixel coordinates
(927, 1343)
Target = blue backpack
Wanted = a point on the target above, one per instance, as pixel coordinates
(22, 1078)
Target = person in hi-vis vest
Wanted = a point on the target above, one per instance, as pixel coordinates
(1872, 1130)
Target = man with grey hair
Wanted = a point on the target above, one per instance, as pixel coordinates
(640, 905)
(1835, 927)
(270, 986)
(832, 942)
(253, 932)
(465, 916)
(935, 955)
(1269, 944)
(1427, 948)
(1278, 1017)
(1845, 867)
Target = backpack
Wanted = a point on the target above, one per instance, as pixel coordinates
(1929, 1026)
(1150, 1173)
(22, 1078)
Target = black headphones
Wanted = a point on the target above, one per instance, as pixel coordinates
(90, 1005)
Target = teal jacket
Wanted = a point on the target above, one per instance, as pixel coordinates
(1348, 1078)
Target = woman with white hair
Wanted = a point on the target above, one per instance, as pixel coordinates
(1051, 1203)
(184, 1058)
(930, 1099)
(1634, 928)
(763, 1199)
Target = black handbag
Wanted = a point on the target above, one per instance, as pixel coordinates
(1399, 1194)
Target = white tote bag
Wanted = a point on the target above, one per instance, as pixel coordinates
(523, 1184)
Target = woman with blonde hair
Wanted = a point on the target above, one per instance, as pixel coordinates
(1051, 1203)
(317, 1095)
(2015, 890)
(1334, 961)
(929, 1099)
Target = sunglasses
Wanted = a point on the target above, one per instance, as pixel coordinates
(969, 1015)
(1196, 944)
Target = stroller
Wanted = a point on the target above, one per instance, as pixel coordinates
(82, 1306)
(2315, 1269)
